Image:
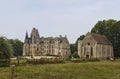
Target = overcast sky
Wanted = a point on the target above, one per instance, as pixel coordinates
(54, 17)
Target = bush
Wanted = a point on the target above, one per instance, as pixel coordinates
(4, 62)
(84, 60)
(75, 55)
(44, 60)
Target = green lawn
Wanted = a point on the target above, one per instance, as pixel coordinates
(88, 70)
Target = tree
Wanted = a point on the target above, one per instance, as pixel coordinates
(75, 55)
(102, 27)
(74, 47)
(80, 38)
(17, 46)
(5, 49)
(114, 37)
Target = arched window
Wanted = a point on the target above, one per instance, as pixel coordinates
(91, 51)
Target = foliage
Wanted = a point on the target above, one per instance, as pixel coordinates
(17, 46)
(84, 60)
(5, 49)
(73, 48)
(80, 38)
(88, 70)
(75, 55)
(45, 60)
(114, 37)
(5, 52)
(102, 27)
(111, 29)
(4, 62)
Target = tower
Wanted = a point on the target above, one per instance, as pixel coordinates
(26, 45)
(34, 42)
(35, 36)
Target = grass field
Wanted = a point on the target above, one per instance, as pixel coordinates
(88, 70)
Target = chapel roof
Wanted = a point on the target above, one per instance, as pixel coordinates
(100, 39)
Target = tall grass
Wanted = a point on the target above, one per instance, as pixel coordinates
(88, 70)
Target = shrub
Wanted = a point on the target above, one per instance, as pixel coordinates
(4, 62)
(84, 60)
(44, 60)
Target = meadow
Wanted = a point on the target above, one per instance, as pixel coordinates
(81, 70)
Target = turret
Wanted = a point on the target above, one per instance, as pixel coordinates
(26, 38)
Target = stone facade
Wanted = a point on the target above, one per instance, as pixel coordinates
(95, 46)
(40, 46)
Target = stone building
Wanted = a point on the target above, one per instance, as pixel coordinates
(40, 46)
(95, 46)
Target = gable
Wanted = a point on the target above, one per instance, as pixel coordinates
(88, 40)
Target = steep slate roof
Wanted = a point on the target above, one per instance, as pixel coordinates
(41, 40)
(101, 39)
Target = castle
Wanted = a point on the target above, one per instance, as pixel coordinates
(95, 46)
(40, 46)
